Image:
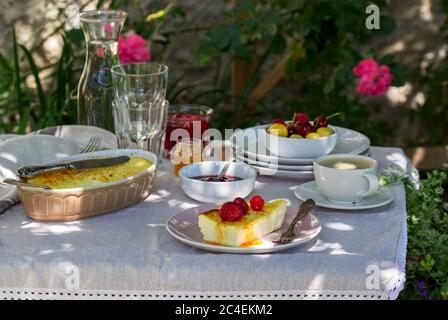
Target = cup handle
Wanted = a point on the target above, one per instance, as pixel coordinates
(373, 185)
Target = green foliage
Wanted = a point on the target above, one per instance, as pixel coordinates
(433, 113)
(324, 38)
(24, 108)
(427, 256)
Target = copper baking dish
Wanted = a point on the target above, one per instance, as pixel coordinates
(77, 203)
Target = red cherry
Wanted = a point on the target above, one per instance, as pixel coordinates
(257, 203)
(303, 128)
(320, 121)
(242, 203)
(231, 211)
(281, 121)
(291, 129)
(300, 117)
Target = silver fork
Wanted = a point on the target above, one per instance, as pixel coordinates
(304, 209)
(93, 143)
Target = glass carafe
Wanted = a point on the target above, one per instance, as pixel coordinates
(95, 90)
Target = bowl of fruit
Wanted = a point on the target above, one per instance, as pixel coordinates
(301, 138)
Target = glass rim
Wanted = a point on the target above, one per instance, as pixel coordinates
(93, 15)
(208, 110)
(115, 69)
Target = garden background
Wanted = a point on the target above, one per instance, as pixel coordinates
(257, 60)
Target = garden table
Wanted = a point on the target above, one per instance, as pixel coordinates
(129, 253)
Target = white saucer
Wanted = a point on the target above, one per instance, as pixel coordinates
(309, 190)
(252, 146)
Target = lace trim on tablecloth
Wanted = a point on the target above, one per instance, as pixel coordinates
(63, 294)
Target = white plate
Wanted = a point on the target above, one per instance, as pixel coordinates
(184, 227)
(286, 167)
(253, 162)
(349, 142)
(263, 171)
(309, 190)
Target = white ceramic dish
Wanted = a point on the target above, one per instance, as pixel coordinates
(288, 167)
(274, 165)
(309, 190)
(252, 146)
(217, 192)
(184, 227)
(263, 171)
(299, 148)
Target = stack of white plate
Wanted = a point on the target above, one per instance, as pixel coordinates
(251, 149)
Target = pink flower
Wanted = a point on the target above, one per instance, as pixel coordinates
(374, 79)
(133, 49)
(365, 66)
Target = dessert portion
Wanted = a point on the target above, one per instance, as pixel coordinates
(68, 178)
(240, 224)
(301, 127)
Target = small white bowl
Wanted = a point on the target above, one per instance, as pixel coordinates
(217, 192)
(300, 148)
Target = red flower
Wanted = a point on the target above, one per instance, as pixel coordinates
(133, 49)
(374, 79)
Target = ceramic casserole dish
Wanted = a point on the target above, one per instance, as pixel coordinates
(82, 202)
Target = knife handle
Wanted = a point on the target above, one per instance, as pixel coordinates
(28, 171)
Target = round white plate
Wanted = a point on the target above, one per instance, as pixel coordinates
(309, 190)
(274, 165)
(270, 165)
(247, 140)
(184, 227)
(263, 171)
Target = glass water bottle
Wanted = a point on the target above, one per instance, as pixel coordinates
(95, 91)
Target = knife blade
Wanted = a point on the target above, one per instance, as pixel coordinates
(29, 171)
(98, 163)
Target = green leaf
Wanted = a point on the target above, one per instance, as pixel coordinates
(290, 67)
(17, 83)
(35, 71)
(76, 36)
(387, 25)
(400, 74)
(278, 44)
(244, 6)
(4, 64)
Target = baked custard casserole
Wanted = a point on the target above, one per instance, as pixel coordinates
(64, 179)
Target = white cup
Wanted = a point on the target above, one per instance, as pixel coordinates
(346, 185)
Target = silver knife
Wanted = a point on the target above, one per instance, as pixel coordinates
(29, 171)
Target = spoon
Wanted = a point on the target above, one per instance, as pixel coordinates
(223, 172)
(24, 184)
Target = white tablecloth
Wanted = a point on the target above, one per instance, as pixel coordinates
(129, 254)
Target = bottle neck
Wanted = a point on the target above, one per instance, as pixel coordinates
(102, 53)
(101, 30)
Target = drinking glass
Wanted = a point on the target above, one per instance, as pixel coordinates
(141, 127)
(140, 107)
(194, 119)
